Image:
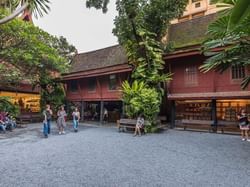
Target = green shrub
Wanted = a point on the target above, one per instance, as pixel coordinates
(7, 106)
(140, 99)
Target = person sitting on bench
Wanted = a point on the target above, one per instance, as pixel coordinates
(9, 122)
(139, 125)
(2, 124)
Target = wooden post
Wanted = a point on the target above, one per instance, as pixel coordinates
(172, 124)
(214, 115)
(101, 112)
(123, 109)
(82, 110)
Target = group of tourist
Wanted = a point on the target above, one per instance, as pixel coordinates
(7, 122)
(61, 120)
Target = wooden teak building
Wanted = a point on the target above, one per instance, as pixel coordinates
(194, 95)
(94, 82)
(95, 79)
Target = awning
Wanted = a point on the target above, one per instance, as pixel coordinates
(210, 95)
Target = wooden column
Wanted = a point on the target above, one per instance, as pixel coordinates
(101, 111)
(172, 123)
(82, 110)
(123, 109)
(214, 114)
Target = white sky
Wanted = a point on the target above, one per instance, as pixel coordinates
(86, 29)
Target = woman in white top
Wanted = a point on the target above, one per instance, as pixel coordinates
(76, 118)
(61, 114)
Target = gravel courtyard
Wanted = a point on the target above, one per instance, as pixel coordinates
(103, 157)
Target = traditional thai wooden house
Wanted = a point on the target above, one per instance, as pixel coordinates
(210, 98)
(94, 82)
(202, 96)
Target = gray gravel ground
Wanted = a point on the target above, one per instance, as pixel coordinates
(104, 157)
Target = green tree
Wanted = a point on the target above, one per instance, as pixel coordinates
(140, 26)
(229, 32)
(32, 55)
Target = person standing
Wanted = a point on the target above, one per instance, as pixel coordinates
(105, 115)
(48, 116)
(45, 126)
(76, 118)
(139, 125)
(61, 114)
(244, 125)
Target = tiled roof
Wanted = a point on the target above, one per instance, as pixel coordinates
(190, 33)
(101, 58)
(185, 34)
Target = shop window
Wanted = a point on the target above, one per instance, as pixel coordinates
(73, 86)
(238, 72)
(91, 84)
(228, 109)
(191, 76)
(193, 110)
(112, 82)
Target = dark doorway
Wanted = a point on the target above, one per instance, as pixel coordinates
(114, 110)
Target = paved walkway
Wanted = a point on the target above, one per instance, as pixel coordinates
(104, 157)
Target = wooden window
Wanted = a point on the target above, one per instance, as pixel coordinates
(112, 82)
(238, 72)
(91, 84)
(191, 76)
(197, 5)
(73, 86)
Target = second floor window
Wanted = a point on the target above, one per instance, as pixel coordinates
(191, 76)
(238, 72)
(112, 82)
(197, 5)
(91, 84)
(73, 86)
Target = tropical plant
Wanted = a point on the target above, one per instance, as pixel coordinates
(139, 98)
(229, 33)
(16, 7)
(7, 106)
(55, 97)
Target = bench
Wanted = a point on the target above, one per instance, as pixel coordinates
(206, 124)
(230, 126)
(28, 118)
(123, 124)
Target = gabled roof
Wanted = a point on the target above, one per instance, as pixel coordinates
(190, 33)
(110, 56)
(185, 37)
